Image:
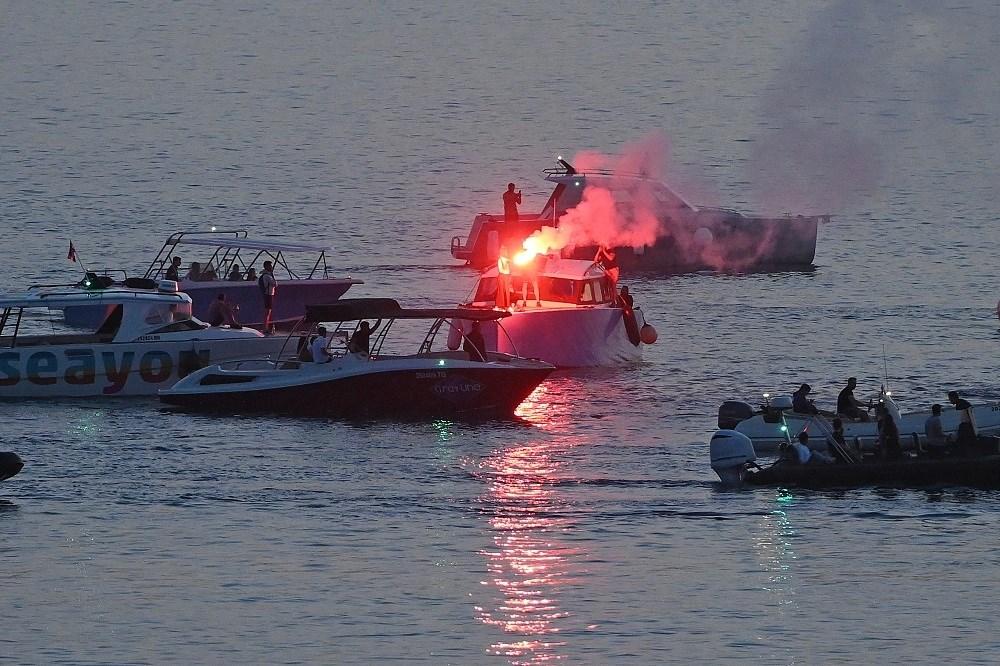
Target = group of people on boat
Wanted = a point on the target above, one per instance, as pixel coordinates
(197, 273)
(220, 312)
(938, 444)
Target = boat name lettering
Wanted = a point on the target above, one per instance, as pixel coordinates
(433, 374)
(79, 367)
(147, 338)
(459, 387)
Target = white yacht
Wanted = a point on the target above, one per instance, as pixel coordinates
(145, 339)
(229, 262)
(576, 319)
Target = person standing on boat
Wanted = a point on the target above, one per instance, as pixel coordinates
(606, 257)
(235, 275)
(801, 404)
(318, 347)
(502, 298)
(966, 437)
(174, 270)
(848, 405)
(511, 200)
(475, 343)
(268, 287)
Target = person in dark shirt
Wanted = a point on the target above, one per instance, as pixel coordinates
(625, 299)
(360, 342)
(174, 270)
(511, 200)
(475, 344)
(848, 405)
(606, 257)
(801, 404)
(966, 436)
(888, 436)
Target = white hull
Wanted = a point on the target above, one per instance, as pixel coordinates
(117, 369)
(570, 337)
(767, 437)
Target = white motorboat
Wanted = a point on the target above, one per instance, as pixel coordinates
(145, 340)
(775, 423)
(229, 263)
(369, 383)
(576, 319)
(690, 237)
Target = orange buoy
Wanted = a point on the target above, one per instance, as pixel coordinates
(647, 334)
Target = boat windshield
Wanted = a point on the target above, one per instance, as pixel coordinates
(591, 291)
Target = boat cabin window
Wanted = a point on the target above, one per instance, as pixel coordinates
(560, 290)
(596, 292)
(113, 322)
(487, 290)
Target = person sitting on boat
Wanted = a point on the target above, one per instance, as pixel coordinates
(966, 436)
(235, 275)
(608, 259)
(888, 436)
(838, 446)
(209, 273)
(360, 342)
(502, 299)
(194, 272)
(251, 275)
(318, 347)
(937, 442)
(848, 405)
(625, 300)
(801, 404)
(511, 200)
(174, 270)
(220, 312)
(475, 343)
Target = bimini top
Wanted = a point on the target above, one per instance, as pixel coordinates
(253, 244)
(57, 300)
(351, 309)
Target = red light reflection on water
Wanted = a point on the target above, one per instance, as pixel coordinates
(529, 564)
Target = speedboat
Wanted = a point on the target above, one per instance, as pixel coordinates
(224, 256)
(363, 384)
(145, 339)
(576, 319)
(775, 423)
(733, 459)
(10, 464)
(687, 237)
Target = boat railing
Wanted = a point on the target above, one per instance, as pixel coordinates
(162, 258)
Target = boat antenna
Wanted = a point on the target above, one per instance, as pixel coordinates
(885, 366)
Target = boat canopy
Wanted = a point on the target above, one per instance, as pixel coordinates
(57, 300)
(254, 244)
(352, 309)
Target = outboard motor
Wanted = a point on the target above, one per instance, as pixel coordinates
(730, 452)
(732, 412)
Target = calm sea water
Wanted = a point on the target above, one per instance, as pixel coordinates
(591, 530)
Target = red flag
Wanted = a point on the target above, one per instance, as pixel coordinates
(71, 255)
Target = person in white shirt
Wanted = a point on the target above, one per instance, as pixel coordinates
(318, 347)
